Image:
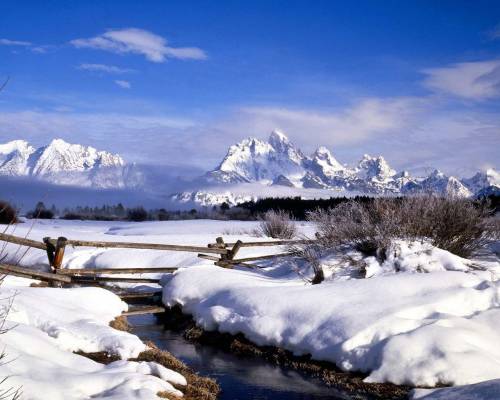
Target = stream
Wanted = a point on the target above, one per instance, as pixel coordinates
(240, 378)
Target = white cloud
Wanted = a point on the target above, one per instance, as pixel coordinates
(8, 42)
(123, 84)
(139, 41)
(471, 80)
(40, 49)
(110, 69)
(412, 133)
(353, 124)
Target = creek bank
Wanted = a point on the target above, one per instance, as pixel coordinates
(349, 382)
(197, 388)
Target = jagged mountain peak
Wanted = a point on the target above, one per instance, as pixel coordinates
(324, 164)
(61, 162)
(488, 179)
(15, 145)
(253, 160)
(278, 136)
(377, 168)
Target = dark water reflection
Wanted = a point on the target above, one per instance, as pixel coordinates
(240, 378)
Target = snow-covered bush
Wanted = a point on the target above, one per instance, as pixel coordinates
(278, 225)
(8, 214)
(457, 225)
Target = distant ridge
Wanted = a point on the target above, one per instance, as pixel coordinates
(278, 162)
(63, 163)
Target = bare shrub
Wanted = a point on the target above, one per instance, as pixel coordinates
(8, 214)
(457, 225)
(278, 225)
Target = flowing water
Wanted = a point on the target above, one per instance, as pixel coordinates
(240, 378)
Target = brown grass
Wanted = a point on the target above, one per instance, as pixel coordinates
(325, 371)
(120, 323)
(278, 225)
(198, 387)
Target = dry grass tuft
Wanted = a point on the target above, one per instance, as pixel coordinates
(278, 225)
(198, 387)
(120, 323)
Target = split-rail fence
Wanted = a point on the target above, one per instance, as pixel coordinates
(223, 254)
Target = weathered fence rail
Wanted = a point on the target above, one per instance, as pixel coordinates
(221, 253)
(8, 269)
(145, 246)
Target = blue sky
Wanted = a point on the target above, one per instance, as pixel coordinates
(175, 83)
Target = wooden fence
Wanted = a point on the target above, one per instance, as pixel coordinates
(223, 254)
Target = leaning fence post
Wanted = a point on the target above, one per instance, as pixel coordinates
(234, 250)
(223, 257)
(55, 253)
(59, 252)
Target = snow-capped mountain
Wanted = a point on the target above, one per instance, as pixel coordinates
(278, 162)
(251, 169)
(63, 163)
(484, 182)
(254, 160)
(439, 183)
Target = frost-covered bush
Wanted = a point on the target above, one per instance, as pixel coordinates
(8, 214)
(278, 225)
(457, 225)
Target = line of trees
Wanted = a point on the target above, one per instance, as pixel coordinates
(295, 207)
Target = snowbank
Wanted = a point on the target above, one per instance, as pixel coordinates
(487, 390)
(46, 325)
(406, 328)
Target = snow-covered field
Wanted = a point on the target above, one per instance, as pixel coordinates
(45, 326)
(424, 317)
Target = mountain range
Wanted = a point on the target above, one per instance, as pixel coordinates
(252, 168)
(278, 162)
(63, 163)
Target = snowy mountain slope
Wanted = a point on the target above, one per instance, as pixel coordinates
(14, 158)
(439, 183)
(67, 164)
(254, 160)
(278, 162)
(487, 180)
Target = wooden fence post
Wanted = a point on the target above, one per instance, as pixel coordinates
(50, 250)
(55, 254)
(234, 250)
(223, 257)
(59, 252)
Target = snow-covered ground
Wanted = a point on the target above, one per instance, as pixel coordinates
(423, 317)
(45, 326)
(196, 232)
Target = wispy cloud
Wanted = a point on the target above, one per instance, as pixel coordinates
(123, 84)
(470, 80)
(40, 49)
(411, 132)
(8, 42)
(109, 69)
(351, 124)
(139, 41)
